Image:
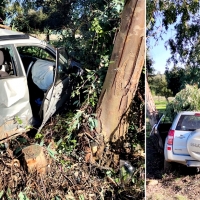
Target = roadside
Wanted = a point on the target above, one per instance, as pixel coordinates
(180, 184)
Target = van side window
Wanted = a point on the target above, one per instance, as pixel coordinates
(30, 54)
(7, 62)
(35, 51)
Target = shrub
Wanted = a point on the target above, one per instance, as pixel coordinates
(186, 99)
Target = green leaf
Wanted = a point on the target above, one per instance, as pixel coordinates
(42, 143)
(52, 152)
(22, 196)
(18, 149)
(81, 197)
(1, 193)
(22, 140)
(59, 142)
(57, 198)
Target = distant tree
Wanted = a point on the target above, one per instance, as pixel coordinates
(184, 15)
(149, 64)
(159, 86)
(175, 79)
(187, 99)
(40, 15)
(3, 4)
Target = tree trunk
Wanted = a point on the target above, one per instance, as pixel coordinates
(47, 36)
(123, 74)
(167, 99)
(151, 111)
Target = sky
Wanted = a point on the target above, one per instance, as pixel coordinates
(159, 53)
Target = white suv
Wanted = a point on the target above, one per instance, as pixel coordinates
(35, 80)
(182, 145)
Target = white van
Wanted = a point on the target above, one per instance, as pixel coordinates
(35, 81)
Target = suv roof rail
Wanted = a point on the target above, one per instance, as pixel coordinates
(11, 37)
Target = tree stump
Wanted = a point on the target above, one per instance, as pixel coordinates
(35, 159)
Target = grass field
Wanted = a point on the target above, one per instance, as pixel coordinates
(161, 103)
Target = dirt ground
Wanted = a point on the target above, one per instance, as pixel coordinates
(181, 183)
(68, 176)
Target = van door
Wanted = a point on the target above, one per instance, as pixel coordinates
(60, 90)
(186, 125)
(15, 109)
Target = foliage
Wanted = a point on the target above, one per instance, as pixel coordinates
(3, 4)
(87, 27)
(90, 40)
(159, 85)
(184, 16)
(84, 97)
(186, 99)
(38, 15)
(177, 78)
(149, 64)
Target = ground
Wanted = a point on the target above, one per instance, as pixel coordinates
(72, 173)
(181, 183)
(68, 175)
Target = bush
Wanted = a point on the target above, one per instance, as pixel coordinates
(186, 99)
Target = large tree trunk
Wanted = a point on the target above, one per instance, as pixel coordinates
(151, 111)
(123, 74)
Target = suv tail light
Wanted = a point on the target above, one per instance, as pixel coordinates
(170, 137)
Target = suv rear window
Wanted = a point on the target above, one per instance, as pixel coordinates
(188, 123)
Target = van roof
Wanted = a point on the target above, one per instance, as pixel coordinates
(10, 35)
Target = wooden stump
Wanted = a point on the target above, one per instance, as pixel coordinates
(35, 159)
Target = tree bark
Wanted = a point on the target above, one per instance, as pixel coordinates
(151, 111)
(123, 74)
(34, 159)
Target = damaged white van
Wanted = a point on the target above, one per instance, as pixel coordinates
(35, 81)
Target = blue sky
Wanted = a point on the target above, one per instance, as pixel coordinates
(159, 53)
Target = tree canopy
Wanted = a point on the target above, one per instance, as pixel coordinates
(184, 45)
(158, 84)
(187, 99)
(184, 16)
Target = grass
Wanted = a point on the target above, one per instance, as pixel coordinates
(161, 103)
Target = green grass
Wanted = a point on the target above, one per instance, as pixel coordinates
(161, 105)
